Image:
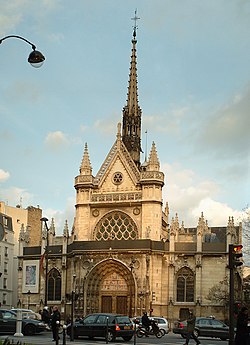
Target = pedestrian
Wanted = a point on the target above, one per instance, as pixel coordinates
(242, 335)
(46, 315)
(190, 329)
(55, 320)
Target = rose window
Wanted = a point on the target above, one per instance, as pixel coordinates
(116, 226)
(117, 178)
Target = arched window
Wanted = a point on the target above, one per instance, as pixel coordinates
(185, 285)
(116, 225)
(54, 285)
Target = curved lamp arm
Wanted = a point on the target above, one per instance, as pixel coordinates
(35, 58)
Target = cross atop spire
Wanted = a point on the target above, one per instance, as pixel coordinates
(135, 18)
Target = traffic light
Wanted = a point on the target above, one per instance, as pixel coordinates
(235, 253)
(237, 307)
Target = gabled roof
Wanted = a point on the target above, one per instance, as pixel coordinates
(118, 150)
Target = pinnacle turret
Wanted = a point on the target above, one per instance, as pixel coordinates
(85, 168)
(153, 161)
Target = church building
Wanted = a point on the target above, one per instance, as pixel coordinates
(123, 254)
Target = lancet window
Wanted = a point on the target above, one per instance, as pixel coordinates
(185, 285)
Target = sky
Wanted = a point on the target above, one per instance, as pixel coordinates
(193, 87)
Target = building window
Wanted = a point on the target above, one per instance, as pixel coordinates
(6, 252)
(4, 298)
(185, 285)
(5, 283)
(54, 285)
(116, 225)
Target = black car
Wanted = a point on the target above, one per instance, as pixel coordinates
(8, 319)
(204, 327)
(104, 325)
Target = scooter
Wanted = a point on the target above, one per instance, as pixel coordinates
(153, 330)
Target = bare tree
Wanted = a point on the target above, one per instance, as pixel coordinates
(246, 232)
(219, 293)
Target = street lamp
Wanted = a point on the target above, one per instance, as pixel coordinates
(29, 292)
(45, 220)
(72, 308)
(35, 58)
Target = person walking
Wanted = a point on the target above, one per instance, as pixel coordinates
(242, 335)
(190, 329)
(55, 320)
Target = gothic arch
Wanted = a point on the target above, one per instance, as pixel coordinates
(54, 285)
(185, 285)
(115, 225)
(110, 287)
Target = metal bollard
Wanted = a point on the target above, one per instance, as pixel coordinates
(107, 329)
(135, 328)
(64, 334)
(57, 329)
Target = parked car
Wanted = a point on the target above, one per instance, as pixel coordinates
(8, 319)
(28, 313)
(104, 325)
(204, 327)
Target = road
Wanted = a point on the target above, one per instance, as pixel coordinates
(169, 339)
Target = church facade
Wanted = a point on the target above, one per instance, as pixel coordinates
(124, 254)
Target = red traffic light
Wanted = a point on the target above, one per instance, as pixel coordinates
(237, 248)
(235, 254)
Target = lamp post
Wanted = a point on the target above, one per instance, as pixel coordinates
(45, 220)
(72, 308)
(19, 320)
(28, 293)
(35, 58)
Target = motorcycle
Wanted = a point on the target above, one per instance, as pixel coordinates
(153, 330)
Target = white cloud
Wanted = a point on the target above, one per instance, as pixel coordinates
(14, 12)
(215, 212)
(4, 175)
(174, 116)
(60, 216)
(107, 126)
(56, 140)
(189, 195)
(15, 196)
(226, 132)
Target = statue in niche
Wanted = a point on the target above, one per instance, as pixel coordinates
(148, 230)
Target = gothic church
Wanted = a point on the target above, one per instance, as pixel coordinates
(123, 254)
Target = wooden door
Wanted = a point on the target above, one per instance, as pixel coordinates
(121, 305)
(106, 304)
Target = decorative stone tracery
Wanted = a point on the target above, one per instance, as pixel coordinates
(116, 225)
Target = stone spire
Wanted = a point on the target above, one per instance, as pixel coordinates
(131, 125)
(66, 229)
(52, 228)
(153, 161)
(85, 168)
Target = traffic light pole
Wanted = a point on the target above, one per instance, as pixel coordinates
(235, 253)
(231, 307)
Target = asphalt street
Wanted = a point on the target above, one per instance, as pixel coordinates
(169, 339)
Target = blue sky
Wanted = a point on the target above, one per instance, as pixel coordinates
(194, 91)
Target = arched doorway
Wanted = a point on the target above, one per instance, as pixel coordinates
(110, 287)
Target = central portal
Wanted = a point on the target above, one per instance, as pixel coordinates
(114, 294)
(110, 288)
